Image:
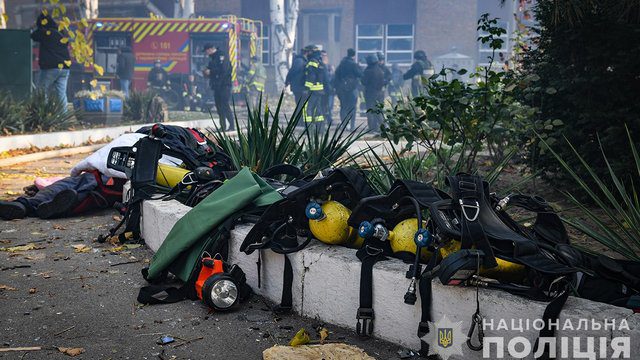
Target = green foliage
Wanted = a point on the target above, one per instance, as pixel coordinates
(137, 105)
(264, 142)
(325, 148)
(267, 141)
(616, 222)
(456, 120)
(584, 78)
(46, 113)
(11, 114)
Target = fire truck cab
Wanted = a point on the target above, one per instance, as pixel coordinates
(177, 43)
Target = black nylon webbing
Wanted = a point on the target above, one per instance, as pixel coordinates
(286, 302)
(551, 313)
(366, 281)
(150, 295)
(424, 287)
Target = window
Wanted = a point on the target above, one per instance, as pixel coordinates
(266, 44)
(318, 28)
(106, 50)
(484, 50)
(393, 40)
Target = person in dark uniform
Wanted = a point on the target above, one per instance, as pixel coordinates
(421, 66)
(345, 82)
(295, 76)
(373, 82)
(385, 69)
(158, 77)
(219, 72)
(314, 80)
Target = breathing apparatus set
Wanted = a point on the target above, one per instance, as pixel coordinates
(463, 238)
(315, 207)
(200, 168)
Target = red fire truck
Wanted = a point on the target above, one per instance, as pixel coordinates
(176, 43)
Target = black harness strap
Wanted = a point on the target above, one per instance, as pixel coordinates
(551, 313)
(369, 255)
(286, 301)
(425, 289)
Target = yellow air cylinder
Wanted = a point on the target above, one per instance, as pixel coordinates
(505, 270)
(169, 176)
(401, 238)
(328, 223)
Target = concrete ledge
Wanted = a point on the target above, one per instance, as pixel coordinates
(48, 155)
(73, 138)
(326, 287)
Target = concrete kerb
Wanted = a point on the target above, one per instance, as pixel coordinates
(74, 138)
(326, 287)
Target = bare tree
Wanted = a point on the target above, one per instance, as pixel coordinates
(88, 9)
(284, 20)
(3, 21)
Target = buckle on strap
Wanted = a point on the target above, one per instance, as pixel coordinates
(464, 207)
(189, 179)
(365, 317)
(372, 251)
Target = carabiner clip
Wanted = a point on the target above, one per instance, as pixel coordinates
(476, 321)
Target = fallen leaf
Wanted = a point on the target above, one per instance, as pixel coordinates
(59, 227)
(71, 351)
(324, 333)
(124, 247)
(300, 338)
(81, 248)
(7, 287)
(27, 247)
(33, 291)
(117, 218)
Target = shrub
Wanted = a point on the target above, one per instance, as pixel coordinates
(11, 114)
(616, 222)
(137, 105)
(584, 74)
(46, 113)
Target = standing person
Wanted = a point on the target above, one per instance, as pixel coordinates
(373, 82)
(295, 76)
(395, 85)
(385, 69)
(345, 82)
(124, 68)
(256, 77)
(53, 59)
(416, 71)
(219, 72)
(314, 80)
(327, 98)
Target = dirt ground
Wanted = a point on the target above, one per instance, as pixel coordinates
(68, 291)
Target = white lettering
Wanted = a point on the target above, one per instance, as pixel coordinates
(486, 349)
(511, 347)
(621, 347)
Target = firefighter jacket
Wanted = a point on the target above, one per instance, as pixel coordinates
(257, 76)
(347, 75)
(314, 76)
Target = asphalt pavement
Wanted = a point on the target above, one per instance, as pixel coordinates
(69, 291)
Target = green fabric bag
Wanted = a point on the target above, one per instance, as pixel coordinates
(191, 235)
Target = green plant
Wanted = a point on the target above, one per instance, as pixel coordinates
(11, 114)
(324, 148)
(583, 77)
(137, 105)
(616, 223)
(46, 113)
(456, 120)
(264, 142)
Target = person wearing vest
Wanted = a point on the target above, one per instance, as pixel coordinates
(295, 76)
(314, 80)
(420, 67)
(256, 78)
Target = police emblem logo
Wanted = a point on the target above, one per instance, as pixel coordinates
(445, 337)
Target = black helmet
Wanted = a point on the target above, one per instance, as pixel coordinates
(420, 55)
(372, 59)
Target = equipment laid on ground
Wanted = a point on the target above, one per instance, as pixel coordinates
(217, 288)
(280, 225)
(328, 223)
